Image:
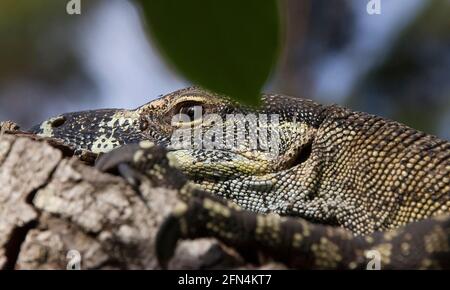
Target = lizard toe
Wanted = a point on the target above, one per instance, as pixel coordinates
(109, 162)
(132, 176)
(166, 240)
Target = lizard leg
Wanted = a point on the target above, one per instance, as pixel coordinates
(301, 244)
(294, 241)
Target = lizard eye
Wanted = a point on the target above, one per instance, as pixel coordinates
(192, 111)
(188, 113)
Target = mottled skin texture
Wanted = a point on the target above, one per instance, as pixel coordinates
(341, 183)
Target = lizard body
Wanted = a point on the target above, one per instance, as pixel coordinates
(366, 182)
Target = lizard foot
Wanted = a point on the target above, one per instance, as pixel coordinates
(135, 162)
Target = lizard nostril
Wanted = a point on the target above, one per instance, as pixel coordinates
(58, 122)
(143, 125)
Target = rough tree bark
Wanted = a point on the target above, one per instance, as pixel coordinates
(51, 203)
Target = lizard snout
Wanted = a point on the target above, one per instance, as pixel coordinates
(97, 131)
(45, 128)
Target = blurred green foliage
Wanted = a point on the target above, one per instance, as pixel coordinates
(229, 47)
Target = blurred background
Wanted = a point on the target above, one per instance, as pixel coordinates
(396, 64)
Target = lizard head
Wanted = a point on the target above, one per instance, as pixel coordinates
(211, 136)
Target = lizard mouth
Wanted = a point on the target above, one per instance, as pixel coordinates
(221, 164)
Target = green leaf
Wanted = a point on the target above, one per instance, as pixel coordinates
(227, 46)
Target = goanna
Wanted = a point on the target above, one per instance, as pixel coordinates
(321, 187)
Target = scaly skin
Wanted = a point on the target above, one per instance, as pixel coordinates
(386, 185)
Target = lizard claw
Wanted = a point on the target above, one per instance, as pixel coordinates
(110, 161)
(174, 228)
(121, 160)
(132, 176)
(166, 240)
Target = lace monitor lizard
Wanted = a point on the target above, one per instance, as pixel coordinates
(335, 186)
